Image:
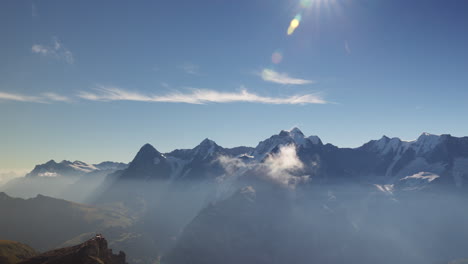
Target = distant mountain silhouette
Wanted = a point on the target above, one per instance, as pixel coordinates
(44, 222)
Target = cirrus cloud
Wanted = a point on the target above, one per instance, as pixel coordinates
(197, 96)
(282, 78)
(43, 98)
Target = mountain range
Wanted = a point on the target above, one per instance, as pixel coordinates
(431, 159)
(442, 158)
(73, 181)
(289, 199)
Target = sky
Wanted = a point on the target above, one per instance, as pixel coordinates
(95, 80)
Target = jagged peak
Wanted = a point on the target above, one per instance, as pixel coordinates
(384, 137)
(51, 162)
(385, 144)
(296, 131)
(426, 135)
(206, 148)
(315, 140)
(292, 132)
(207, 142)
(147, 152)
(299, 137)
(148, 148)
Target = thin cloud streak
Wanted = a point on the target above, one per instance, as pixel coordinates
(56, 97)
(346, 47)
(197, 96)
(44, 98)
(19, 98)
(282, 78)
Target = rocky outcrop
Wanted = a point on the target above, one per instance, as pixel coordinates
(93, 251)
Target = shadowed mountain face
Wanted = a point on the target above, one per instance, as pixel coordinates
(147, 164)
(330, 224)
(93, 251)
(230, 231)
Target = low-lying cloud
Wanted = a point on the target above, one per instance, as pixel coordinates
(284, 167)
(197, 96)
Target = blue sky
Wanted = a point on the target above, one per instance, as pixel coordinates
(95, 80)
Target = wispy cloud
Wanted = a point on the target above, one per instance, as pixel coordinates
(190, 68)
(346, 47)
(197, 96)
(192, 96)
(42, 98)
(56, 97)
(56, 50)
(281, 78)
(33, 10)
(19, 97)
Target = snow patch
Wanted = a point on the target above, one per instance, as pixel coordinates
(416, 181)
(81, 166)
(385, 188)
(48, 174)
(426, 176)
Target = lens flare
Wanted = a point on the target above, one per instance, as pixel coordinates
(306, 3)
(276, 57)
(294, 24)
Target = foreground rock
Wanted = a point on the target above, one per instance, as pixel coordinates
(93, 251)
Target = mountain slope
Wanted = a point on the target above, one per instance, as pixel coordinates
(12, 252)
(32, 220)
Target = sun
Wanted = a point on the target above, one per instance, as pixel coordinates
(310, 8)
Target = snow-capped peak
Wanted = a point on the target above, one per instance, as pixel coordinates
(426, 142)
(207, 142)
(386, 144)
(81, 166)
(206, 148)
(296, 131)
(285, 137)
(298, 137)
(315, 140)
(295, 134)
